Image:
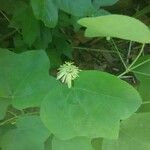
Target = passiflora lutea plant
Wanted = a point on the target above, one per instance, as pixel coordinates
(97, 106)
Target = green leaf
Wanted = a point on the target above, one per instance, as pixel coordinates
(142, 72)
(134, 134)
(30, 134)
(44, 38)
(24, 18)
(118, 26)
(73, 144)
(92, 108)
(24, 77)
(46, 11)
(102, 3)
(3, 107)
(76, 8)
(63, 46)
(55, 57)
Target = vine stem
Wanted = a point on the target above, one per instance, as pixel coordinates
(135, 60)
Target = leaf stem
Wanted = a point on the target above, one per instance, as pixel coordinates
(119, 54)
(140, 64)
(142, 73)
(135, 60)
(130, 68)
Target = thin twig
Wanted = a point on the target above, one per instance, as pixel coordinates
(93, 49)
(119, 54)
(129, 52)
(4, 16)
(142, 73)
(8, 120)
(140, 64)
(135, 60)
(8, 20)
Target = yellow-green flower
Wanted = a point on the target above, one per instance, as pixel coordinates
(67, 73)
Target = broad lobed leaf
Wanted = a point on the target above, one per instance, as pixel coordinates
(92, 108)
(25, 78)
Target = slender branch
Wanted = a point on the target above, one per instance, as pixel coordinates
(129, 51)
(93, 49)
(118, 52)
(4, 16)
(142, 73)
(12, 113)
(135, 60)
(8, 20)
(140, 64)
(8, 120)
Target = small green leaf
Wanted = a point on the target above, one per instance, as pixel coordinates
(30, 134)
(46, 11)
(25, 78)
(78, 143)
(118, 26)
(44, 38)
(24, 18)
(134, 134)
(92, 108)
(55, 57)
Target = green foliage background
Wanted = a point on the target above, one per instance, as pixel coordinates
(100, 111)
